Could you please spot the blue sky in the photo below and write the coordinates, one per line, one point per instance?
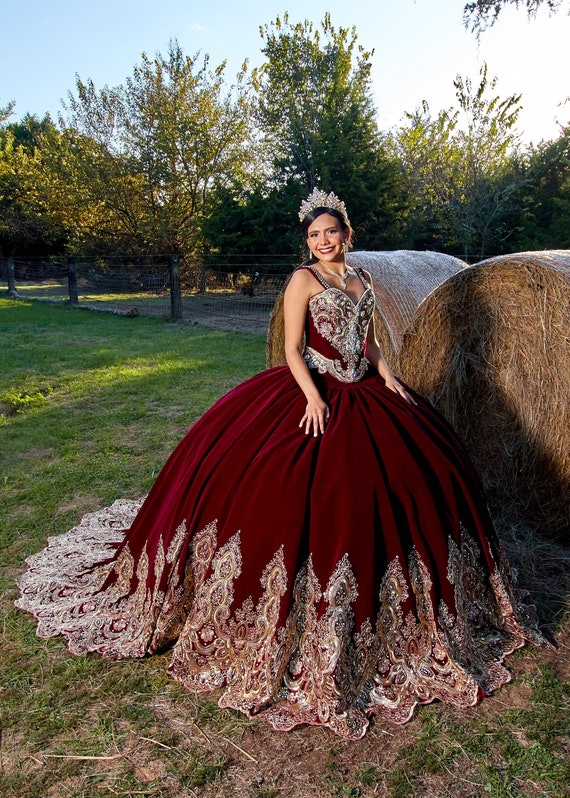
(420, 46)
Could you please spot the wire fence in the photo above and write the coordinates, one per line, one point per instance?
(229, 293)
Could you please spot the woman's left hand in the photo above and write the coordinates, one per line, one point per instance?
(393, 384)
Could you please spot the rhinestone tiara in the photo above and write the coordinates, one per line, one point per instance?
(320, 199)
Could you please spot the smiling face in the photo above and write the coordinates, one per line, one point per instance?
(326, 239)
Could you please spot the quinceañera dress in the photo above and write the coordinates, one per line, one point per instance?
(313, 580)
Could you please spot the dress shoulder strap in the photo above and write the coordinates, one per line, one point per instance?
(364, 277)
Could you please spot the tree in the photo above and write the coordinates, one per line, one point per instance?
(487, 142)
(482, 14)
(431, 164)
(57, 189)
(6, 111)
(461, 174)
(262, 222)
(165, 140)
(316, 111)
(93, 194)
(26, 218)
(544, 221)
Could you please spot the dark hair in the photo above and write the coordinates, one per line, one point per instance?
(314, 214)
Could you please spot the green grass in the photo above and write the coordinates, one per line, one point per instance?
(90, 406)
(522, 752)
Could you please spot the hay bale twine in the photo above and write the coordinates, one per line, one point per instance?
(401, 280)
(491, 348)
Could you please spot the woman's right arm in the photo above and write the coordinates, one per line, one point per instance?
(295, 307)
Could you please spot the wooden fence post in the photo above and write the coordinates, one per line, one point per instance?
(72, 282)
(11, 277)
(175, 293)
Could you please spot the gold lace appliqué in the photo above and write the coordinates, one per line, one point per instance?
(292, 653)
(78, 586)
(315, 667)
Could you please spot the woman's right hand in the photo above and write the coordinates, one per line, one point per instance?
(316, 416)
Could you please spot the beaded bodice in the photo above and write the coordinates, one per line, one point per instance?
(335, 333)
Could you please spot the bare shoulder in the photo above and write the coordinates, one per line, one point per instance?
(301, 282)
(301, 277)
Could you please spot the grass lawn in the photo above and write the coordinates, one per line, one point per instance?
(91, 404)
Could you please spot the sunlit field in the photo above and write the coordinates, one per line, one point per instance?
(225, 307)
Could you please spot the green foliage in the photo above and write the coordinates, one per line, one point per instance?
(26, 220)
(430, 163)
(175, 160)
(260, 222)
(545, 196)
(6, 111)
(482, 14)
(315, 108)
(459, 170)
(308, 85)
(166, 138)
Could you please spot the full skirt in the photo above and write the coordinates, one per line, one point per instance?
(315, 580)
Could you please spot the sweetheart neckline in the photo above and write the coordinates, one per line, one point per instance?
(343, 293)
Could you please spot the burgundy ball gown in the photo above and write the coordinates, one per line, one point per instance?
(313, 580)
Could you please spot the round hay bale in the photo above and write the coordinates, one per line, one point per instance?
(275, 343)
(491, 348)
(401, 280)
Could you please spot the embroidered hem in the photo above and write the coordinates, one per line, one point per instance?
(315, 667)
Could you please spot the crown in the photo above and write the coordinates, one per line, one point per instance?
(320, 199)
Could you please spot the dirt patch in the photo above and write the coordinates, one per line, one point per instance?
(80, 504)
(311, 762)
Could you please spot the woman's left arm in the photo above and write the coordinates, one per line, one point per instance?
(375, 357)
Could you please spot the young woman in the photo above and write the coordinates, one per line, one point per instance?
(317, 547)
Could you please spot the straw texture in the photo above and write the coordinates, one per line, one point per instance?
(491, 348)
